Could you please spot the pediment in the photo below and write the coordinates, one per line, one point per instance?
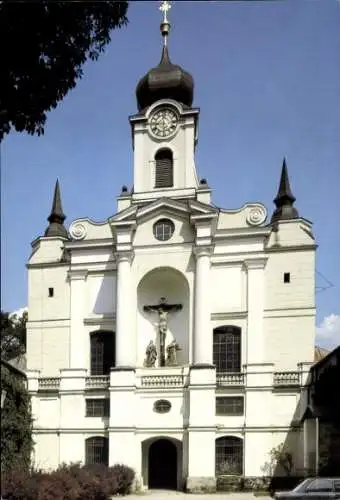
(175, 207)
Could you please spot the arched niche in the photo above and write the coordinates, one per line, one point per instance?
(171, 284)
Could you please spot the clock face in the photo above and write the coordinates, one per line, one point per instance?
(163, 123)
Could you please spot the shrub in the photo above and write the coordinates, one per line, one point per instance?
(124, 476)
(19, 484)
(68, 482)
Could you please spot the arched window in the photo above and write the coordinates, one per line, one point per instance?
(164, 168)
(227, 349)
(102, 352)
(97, 450)
(229, 455)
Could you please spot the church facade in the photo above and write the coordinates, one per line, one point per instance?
(174, 337)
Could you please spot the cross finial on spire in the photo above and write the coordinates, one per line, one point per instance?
(165, 7)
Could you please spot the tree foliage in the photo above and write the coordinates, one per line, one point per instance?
(13, 335)
(46, 44)
(16, 422)
(279, 458)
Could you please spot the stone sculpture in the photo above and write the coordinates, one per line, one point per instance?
(151, 355)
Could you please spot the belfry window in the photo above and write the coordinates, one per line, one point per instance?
(164, 169)
(102, 352)
(227, 349)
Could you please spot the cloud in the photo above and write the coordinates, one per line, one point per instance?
(328, 333)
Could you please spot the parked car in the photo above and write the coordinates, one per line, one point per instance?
(313, 489)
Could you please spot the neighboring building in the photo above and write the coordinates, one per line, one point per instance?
(321, 419)
(239, 301)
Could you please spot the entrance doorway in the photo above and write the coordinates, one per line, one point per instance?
(162, 465)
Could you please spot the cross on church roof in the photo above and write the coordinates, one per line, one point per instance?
(165, 7)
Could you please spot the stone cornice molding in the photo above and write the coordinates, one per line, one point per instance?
(124, 256)
(255, 263)
(77, 274)
(203, 251)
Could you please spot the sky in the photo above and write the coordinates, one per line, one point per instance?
(267, 81)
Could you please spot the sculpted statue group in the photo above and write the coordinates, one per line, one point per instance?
(163, 310)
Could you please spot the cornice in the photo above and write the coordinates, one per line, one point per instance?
(203, 251)
(124, 256)
(77, 274)
(256, 263)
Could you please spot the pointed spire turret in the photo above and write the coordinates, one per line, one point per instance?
(285, 199)
(57, 217)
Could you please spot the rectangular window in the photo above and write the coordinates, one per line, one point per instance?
(230, 405)
(51, 292)
(98, 407)
(286, 277)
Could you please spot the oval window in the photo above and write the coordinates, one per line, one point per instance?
(162, 406)
(163, 229)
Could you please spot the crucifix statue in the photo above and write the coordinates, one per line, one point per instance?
(163, 309)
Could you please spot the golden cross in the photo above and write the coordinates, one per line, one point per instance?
(165, 7)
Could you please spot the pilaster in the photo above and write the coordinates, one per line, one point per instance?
(255, 288)
(71, 394)
(125, 334)
(203, 340)
(77, 347)
(202, 429)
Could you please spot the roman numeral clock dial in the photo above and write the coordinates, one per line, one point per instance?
(163, 123)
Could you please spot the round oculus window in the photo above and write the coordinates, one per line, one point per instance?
(163, 229)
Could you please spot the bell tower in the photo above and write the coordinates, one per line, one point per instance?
(164, 131)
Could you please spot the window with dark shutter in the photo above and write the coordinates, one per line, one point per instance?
(164, 169)
(102, 352)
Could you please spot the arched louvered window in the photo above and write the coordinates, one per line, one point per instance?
(97, 450)
(227, 349)
(164, 168)
(229, 455)
(102, 352)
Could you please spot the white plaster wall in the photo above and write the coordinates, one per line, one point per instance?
(48, 347)
(289, 340)
(47, 250)
(94, 255)
(300, 292)
(259, 408)
(46, 450)
(147, 417)
(168, 283)
(42, 307)
(48, 416)
(72, 446)
(227, 285)
(284, 408)
(237, 246)
(100, 294)
(257, 445)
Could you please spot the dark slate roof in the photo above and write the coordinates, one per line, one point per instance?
(57, 217)
(165, 81)
(285, 199)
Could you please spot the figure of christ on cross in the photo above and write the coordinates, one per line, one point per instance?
(163, 309)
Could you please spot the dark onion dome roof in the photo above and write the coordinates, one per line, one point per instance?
(165, 81)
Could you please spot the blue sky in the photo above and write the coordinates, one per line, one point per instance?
(267, 80)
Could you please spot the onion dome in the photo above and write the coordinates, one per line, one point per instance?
(165, 81)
